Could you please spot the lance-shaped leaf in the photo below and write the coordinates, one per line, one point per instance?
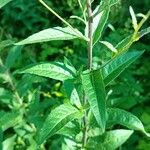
(94, 89)
(51, 34)
(133, 16)
(100, 14)
(57, 71)
(113, 139)
(109, 46)
(4, 2)
(122, 117)
(117, 65)
(56, 120)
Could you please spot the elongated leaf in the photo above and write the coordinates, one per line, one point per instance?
(101, 14)
(109, 46)
(72, 93)
(119, 116)
(99, 22)
(95, 92)
(112, 69)
(56, 120)
(4, 2)
(113, 139)
(13, 54)
(9, 120)
(143, 32)
(57, 71)
(51, 34)
(133, 16)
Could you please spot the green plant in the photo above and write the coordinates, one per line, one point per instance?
(85, 120)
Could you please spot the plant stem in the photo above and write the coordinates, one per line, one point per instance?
(64, 21)
(90, 45)
(10, 81)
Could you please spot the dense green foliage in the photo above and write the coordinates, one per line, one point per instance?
(43, 82)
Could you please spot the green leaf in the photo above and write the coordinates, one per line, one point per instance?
(109, 46)
(113, 2)
(122, 117)
(95, 92)
(5, 43)
(143, 32)
(57, 71)
(72, 92)
(13, 55)
(117, 65)
(134, 20)
(4, 2)
(99, 21)
(10, 120)
(51, 34)
(113, 139)
(56, 120)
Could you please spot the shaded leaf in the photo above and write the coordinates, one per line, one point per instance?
(122, 117)
(13, 54)
(117, 65)
(5, 43)
(57, 33)
(95, 92)
(57, 71)
(56, 120)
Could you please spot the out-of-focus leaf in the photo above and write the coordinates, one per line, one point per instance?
(94, 89)
(1, 139)
(57, 33)
(5, 43)
(10, 120)
(113, 139)
(57, 71)
(13, 55)
(119, 116)
(4, 2)
(9, 143)
(117, 65)
(56, 120)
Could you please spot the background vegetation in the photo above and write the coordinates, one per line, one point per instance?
(21, 18)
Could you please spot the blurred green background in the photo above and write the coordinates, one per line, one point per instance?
(131, 91)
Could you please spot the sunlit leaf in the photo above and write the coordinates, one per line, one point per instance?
(94, 89)
(57, 71)
(109, 46)
(57, 33)
(122, 117)
(113, 139)
(56, 120)
(4, 2)
(134, 20)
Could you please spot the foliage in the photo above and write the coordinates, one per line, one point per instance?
(41, 113)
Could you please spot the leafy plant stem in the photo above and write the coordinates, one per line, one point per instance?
(90, 45)
(58, 16)
(9, 79)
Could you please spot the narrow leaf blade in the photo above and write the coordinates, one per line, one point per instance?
(4, 2)
(95, 91)
(51, 34)
(113, 68)
(56, 120)
(57, 71)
